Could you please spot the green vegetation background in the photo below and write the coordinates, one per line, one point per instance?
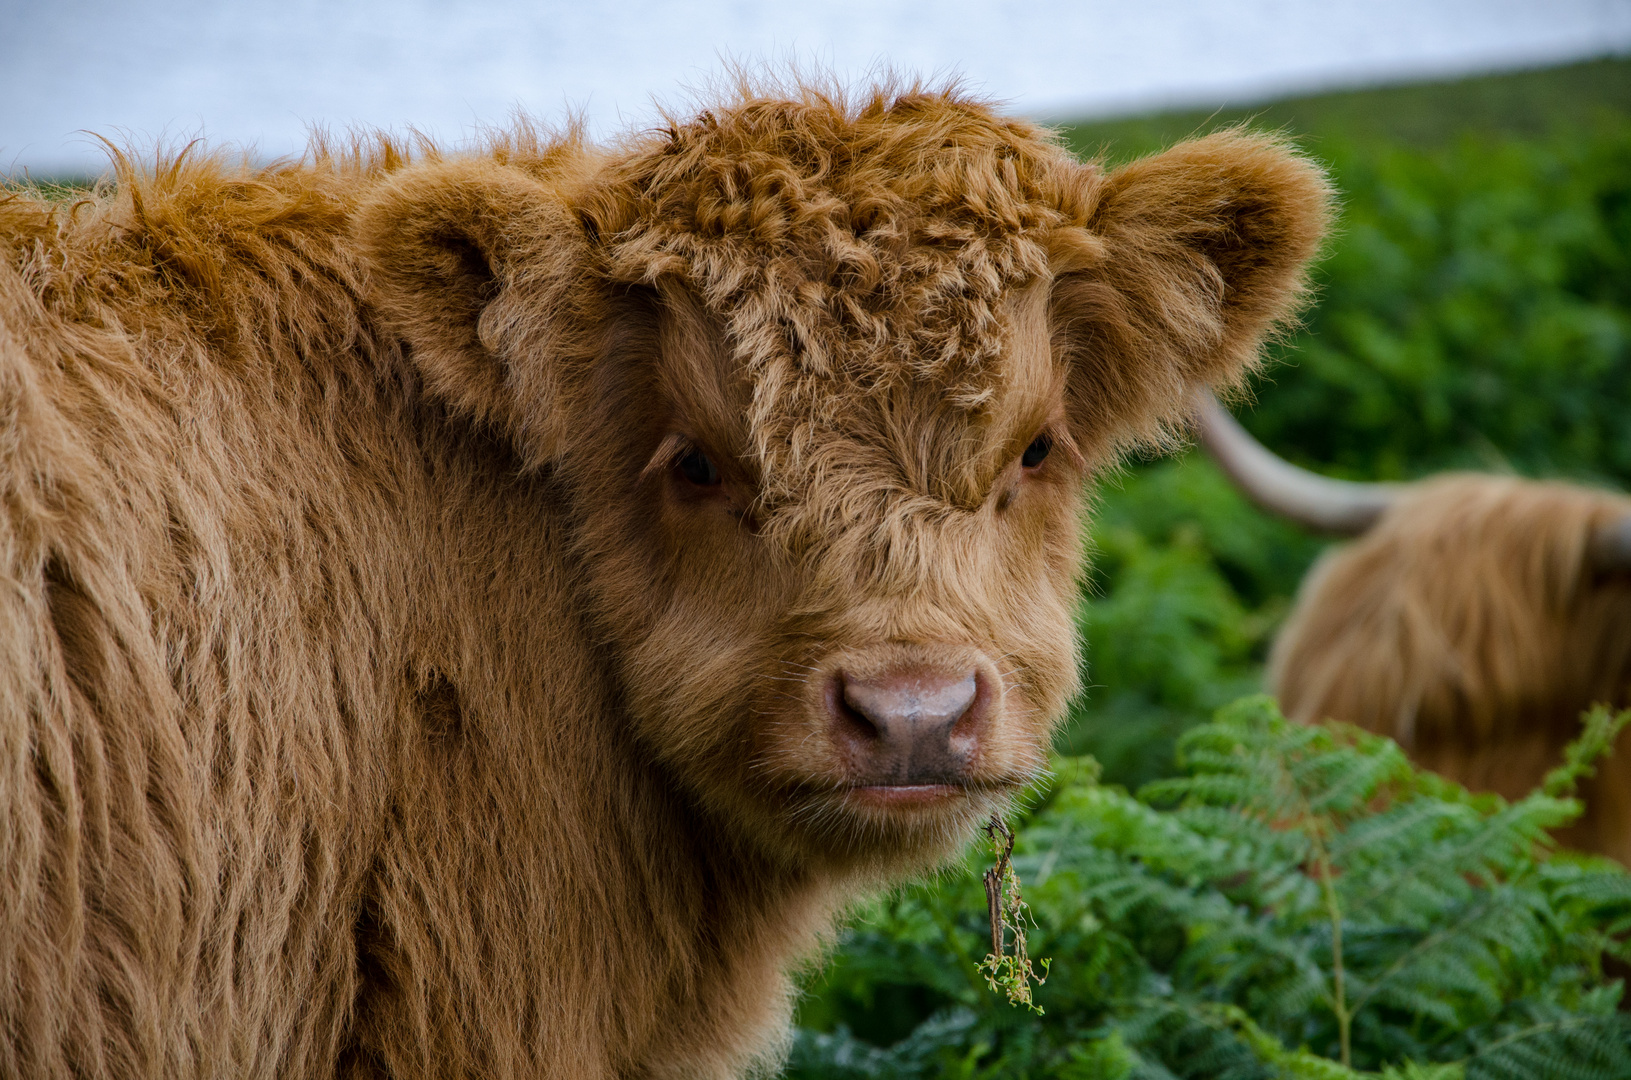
(1473, 311)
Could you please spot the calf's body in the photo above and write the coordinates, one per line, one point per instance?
(488, 615)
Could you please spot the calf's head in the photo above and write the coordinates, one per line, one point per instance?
(825, 384)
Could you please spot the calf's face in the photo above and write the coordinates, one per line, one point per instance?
(866, 656)
(825, 390)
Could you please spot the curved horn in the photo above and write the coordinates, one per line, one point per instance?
(1611, 545)
(1316, 502)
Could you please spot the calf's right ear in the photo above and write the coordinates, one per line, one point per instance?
(481, 270)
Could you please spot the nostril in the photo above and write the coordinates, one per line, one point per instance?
(853, 721)
(857, 706)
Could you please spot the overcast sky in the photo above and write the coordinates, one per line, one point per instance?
(259, 74)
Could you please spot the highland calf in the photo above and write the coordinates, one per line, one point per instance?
(487, 615)
(1473, 621)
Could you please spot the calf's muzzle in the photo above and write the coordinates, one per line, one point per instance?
(908, 726)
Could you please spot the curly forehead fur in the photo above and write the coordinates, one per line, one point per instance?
(865, 243)
(869, 241)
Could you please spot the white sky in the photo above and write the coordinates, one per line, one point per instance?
(258, 74)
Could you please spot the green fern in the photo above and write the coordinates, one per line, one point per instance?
(1301, 902)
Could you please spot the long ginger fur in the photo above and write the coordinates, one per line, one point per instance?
(375, 699)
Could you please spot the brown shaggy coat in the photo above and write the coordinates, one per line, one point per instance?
(382, 692)
(1468, 625)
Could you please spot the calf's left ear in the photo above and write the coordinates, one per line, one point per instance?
(1191, 258)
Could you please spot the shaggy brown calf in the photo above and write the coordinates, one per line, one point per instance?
(486, 616)
(1473, 622)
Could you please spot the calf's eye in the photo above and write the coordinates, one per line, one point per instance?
(699, 469)
(1036, 452)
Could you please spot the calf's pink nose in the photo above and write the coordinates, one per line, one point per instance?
(908, 727)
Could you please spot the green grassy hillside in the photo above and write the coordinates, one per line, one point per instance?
(1421, 116)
